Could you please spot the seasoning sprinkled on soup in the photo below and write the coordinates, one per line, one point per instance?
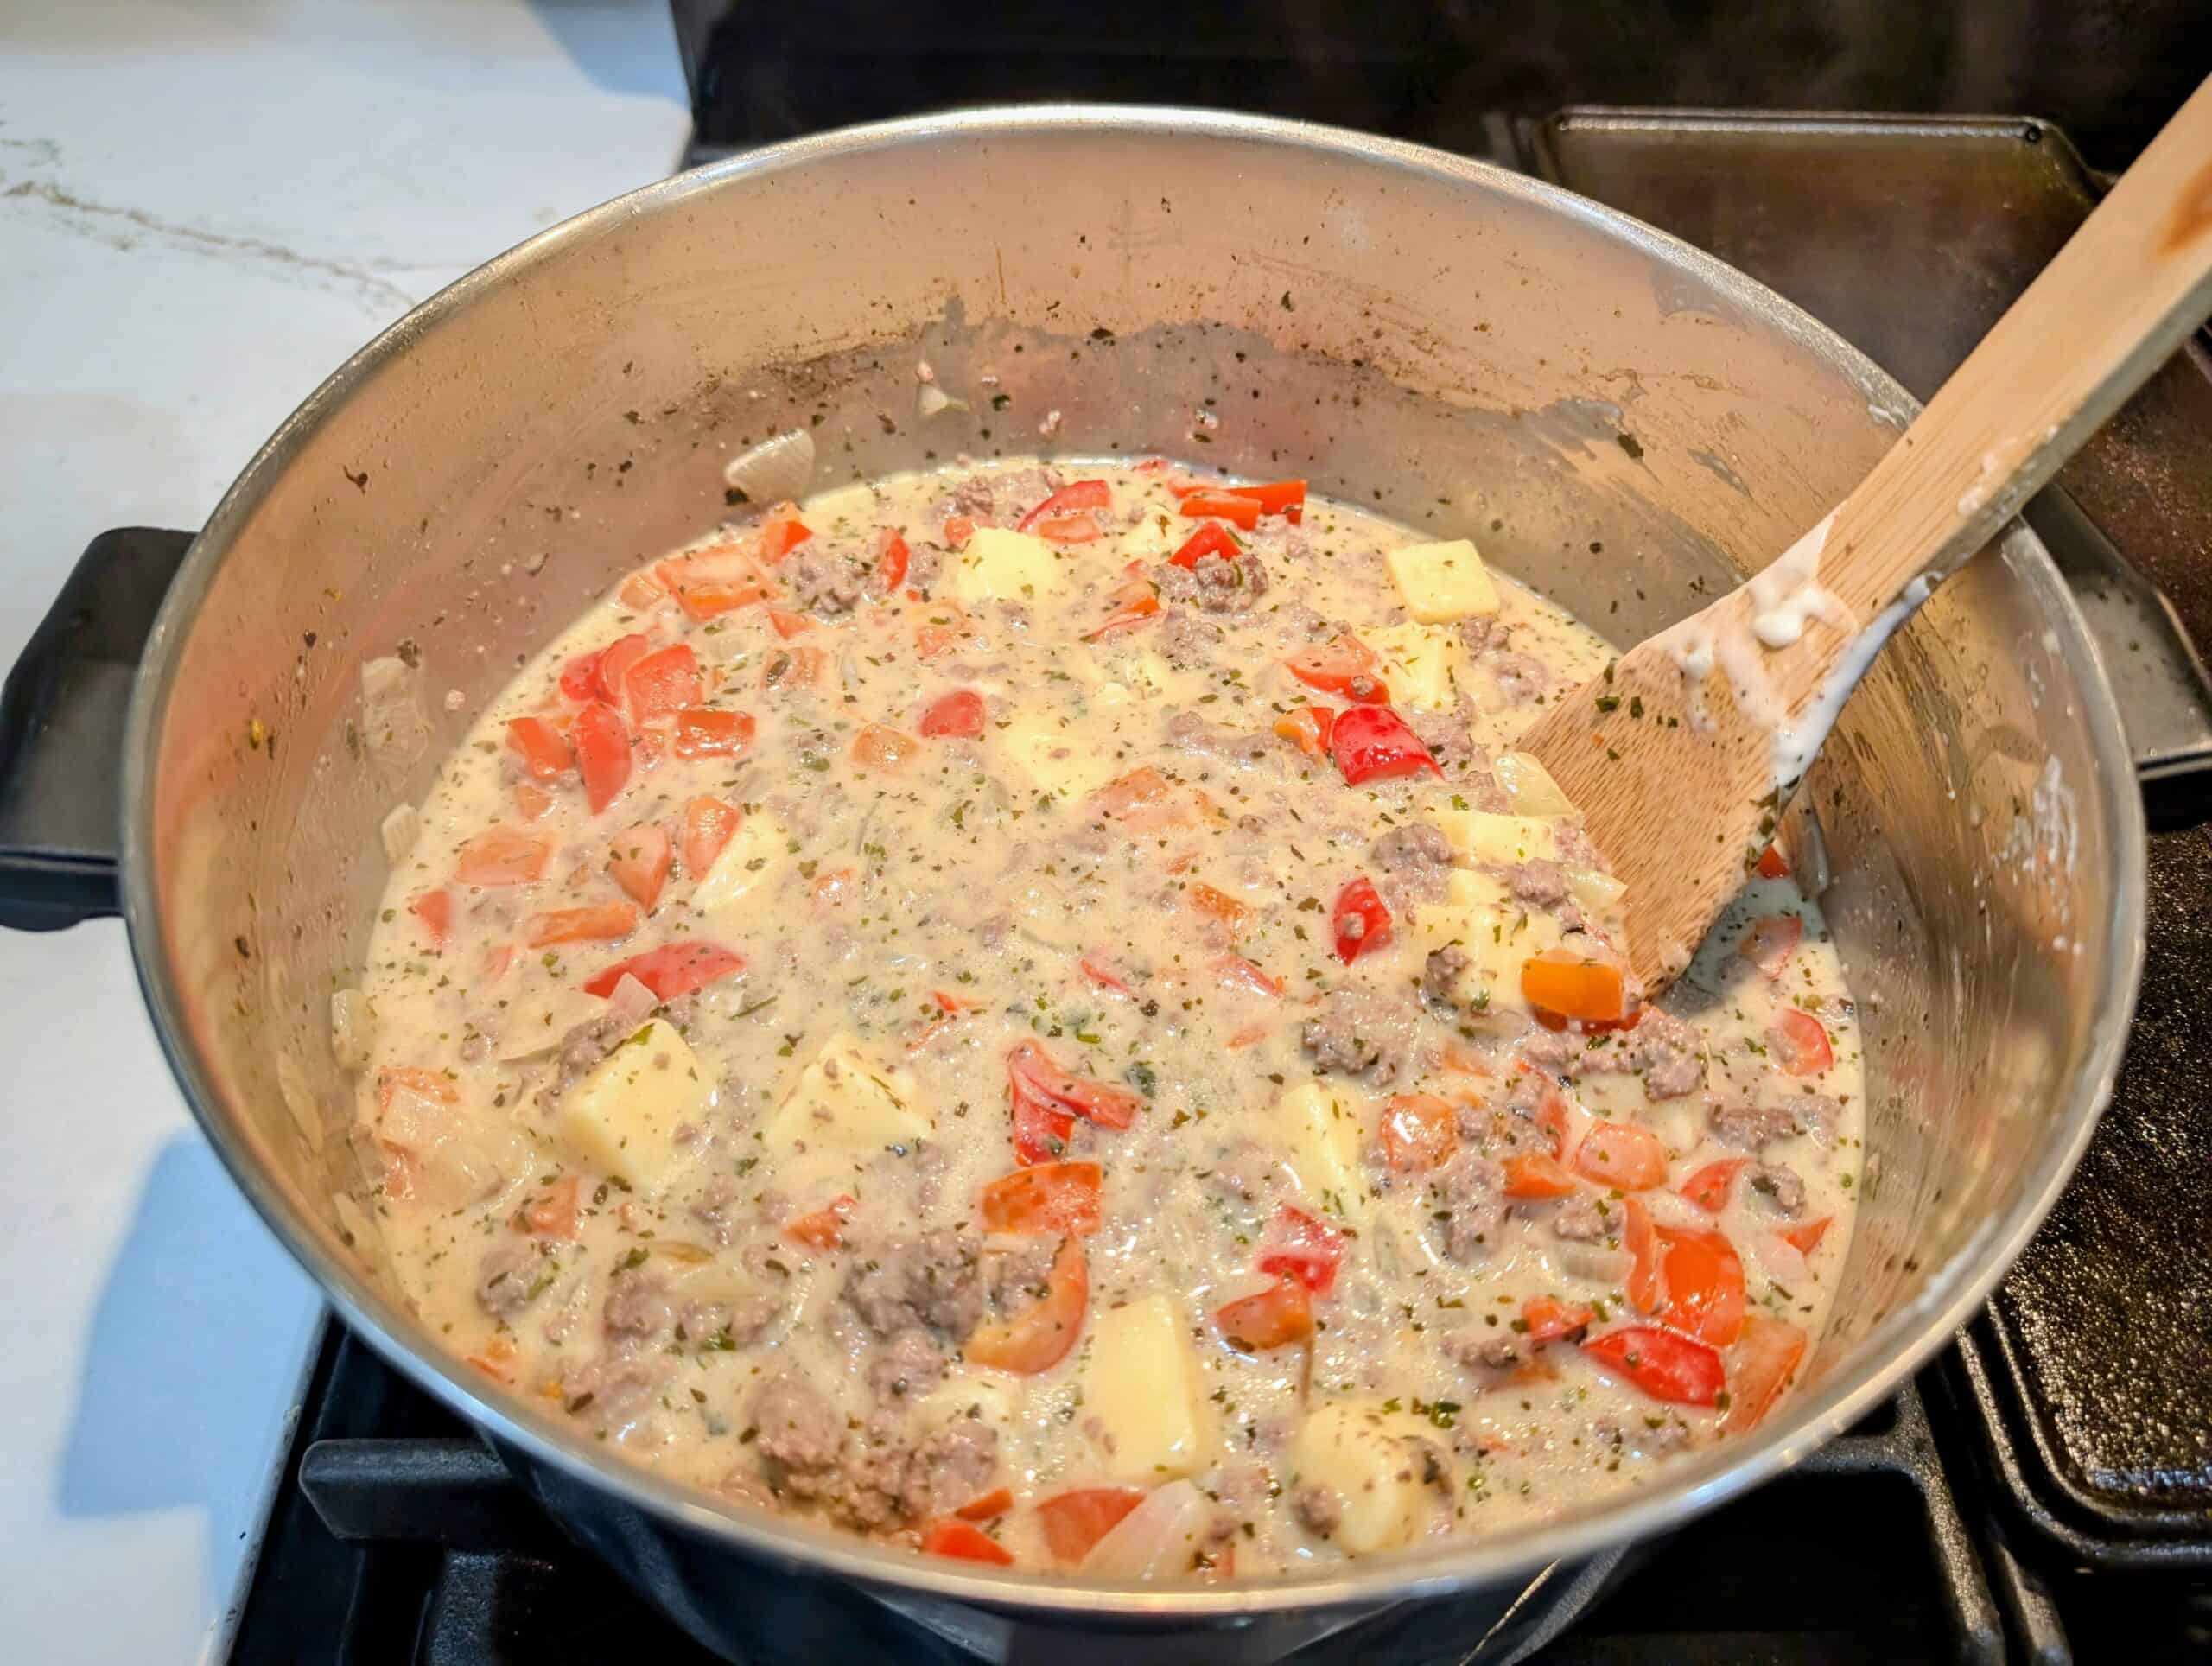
(1035, 1013)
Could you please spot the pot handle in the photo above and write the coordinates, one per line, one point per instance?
(62, 714)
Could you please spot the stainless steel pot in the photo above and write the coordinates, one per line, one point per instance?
(1616, 418)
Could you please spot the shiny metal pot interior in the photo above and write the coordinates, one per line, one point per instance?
(1615, 417)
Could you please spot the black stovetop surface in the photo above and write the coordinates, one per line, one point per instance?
(2044, 1493)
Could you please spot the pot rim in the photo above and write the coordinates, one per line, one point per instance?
(1888, 1354)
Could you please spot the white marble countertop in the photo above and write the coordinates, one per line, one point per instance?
(205, 205)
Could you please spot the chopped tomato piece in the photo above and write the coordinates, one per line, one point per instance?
(957, 715)
(1705, 1284)
(796, 668)
(822, 1228)
(1762, 1363)
(1039, 1336)
(701, 731)
(1070, 498)
(1346, 666)
(435, 910)
(1068, 528)
(639, 863)
(603, 754)
(1773, 865)
(1031, 1066)
(1055, 1197)
(958, 529)
(880, 746)
(1419, 1131)
(708, 825)
(1359, 922)
(1372, 743)
(1237, 972)
(1667, 1367)
(892, 559)
(1284, 497)
(396, 1079)
(1803, 1044)
(1622, 1155)
(599, 922)
(544, 751)
(964, 1542)
(1135, 600)
(1211, 539)
(1307, 728)
(1301, 1246)
(1573, 986)
(531, 802)
(1647, 1282)
(662, 682)
(783, 534)
(1769, 941)
(672, 969)
(610, 677)
(995, 1503)
(788, 624)
(1805, 1236)
(580, 677)
(1074, 1522)
(1041, 1129)
(1282, 1313)
(1216, 904)
(1532, 1174)
(1241, 512)
(502, 856)
(550, 1213)
(1708, 1187)
(709, 598)
(1548, 1318)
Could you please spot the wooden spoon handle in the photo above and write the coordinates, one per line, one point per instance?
(2115, 303)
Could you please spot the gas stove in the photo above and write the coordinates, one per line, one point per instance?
(2044, 1491)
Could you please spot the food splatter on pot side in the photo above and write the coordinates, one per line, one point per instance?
(1034, 1010)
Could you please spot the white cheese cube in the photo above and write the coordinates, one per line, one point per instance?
(622, 1117)
(1420, 663)
(1321, 1132)
(998, 565)
(846, 1102)
(1385, 1485)
(1440, 582)
(754, 852)
(1144, 1408)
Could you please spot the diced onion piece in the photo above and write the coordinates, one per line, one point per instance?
(352, 1029)
(1529, 786)
(1594, 1262)
(399, 832)
(773, 471)
(631, 998)
(1157, 1540)
(395, 733)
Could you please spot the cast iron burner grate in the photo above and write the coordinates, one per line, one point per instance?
(396, 1536)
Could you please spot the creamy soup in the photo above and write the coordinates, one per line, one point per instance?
(1034, 1012)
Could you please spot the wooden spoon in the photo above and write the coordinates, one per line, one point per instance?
(1683, 754)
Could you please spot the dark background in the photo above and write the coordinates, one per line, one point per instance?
(2109, 72)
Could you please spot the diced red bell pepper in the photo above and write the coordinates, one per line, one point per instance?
(1029, 1065)
(1308, 730)
(1241, 512)
(1074, 1521)
(1772, 864)
(822, 1228)
(544, 751)
(787, 624)
(672, 969)
(1301, 1246)
(1762, 1363)
(892, 558)
(964, 1542)
(1669, 1368)
(1769, 941)
(1622, 1155)
(1705, 1285)
(703, 731)
(1548, 1318)
(664, 681)
(1099, 970)
(1805, 1236)
(1534, 1174)
(603, 754)
(987, 1506)
(1647, 1283)
(502, 856)
(1136, 601)
(708, 825)
(1209, 540)
(1236, 972)
(782, 535)
(1077, 496)
(598, 922)
(1054, 1197)
(1039, 1336)
(435, 910)
(580, 677)
(610, 675)
(1360, 922)
(1708, 1187)
(1284, 497)
(638, 860)
(1372, 743)
(1345, 666)
(957, 715)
